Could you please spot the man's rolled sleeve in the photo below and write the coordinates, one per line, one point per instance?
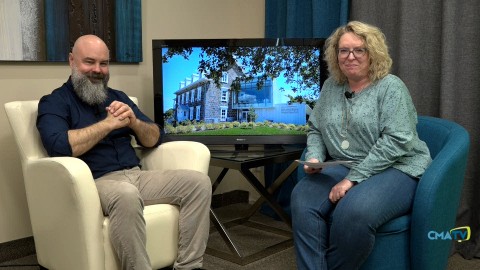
(53, 128)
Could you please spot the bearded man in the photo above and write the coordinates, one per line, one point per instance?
(85, 118)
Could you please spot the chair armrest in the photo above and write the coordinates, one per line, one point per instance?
(65, 211)
(436, 202)
(177, 155)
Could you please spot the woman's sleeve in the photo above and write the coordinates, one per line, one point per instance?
(315, 144)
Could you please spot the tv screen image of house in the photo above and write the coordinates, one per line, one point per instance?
(248, 90)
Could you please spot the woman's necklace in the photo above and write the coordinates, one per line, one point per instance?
(344, 131)
(345, 144)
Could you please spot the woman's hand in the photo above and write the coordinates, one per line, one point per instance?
(339, 190)
(309, 170)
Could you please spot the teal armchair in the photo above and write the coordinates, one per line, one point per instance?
(404, 242)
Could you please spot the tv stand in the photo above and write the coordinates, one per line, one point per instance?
(241, 147)
(247, 149)
(274, 148)
(243, 162)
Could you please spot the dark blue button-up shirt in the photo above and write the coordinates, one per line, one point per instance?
(62, 110)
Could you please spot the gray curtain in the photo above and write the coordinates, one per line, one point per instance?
(435, 46)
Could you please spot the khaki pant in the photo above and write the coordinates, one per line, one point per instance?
(123, 195)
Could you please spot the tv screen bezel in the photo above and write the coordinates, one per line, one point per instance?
(244, 140)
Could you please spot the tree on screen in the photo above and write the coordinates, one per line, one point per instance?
(300, 65)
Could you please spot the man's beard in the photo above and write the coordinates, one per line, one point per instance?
(89, 92)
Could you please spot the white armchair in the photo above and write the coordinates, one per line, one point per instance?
(68, 225)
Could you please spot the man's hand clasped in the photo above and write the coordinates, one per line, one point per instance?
(120, 115)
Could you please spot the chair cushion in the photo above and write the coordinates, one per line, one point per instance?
(392, 238)
(396, 225)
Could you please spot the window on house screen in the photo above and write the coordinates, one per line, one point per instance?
(224, 77)
(197, 115)
(223, 113)
(224, 94)
(199, 93)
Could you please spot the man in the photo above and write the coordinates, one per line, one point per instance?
(85, 118)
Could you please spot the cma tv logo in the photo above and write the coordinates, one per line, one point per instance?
(458, 234)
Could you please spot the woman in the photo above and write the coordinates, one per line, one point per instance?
(364, 115)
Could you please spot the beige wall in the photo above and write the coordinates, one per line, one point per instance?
(161, 19)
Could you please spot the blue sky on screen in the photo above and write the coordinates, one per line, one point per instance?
(178, 68)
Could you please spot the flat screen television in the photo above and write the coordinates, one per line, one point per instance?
(237, 91)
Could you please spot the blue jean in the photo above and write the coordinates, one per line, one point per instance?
(341, 236)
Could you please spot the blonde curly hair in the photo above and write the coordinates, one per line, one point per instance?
(375, 42)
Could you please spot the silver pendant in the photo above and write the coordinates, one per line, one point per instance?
(345, 144)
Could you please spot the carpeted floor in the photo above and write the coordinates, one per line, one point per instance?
(249, 241)
(19, 255)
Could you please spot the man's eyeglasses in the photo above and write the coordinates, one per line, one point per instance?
(357, 52)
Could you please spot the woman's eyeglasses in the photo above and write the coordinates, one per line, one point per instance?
(357, 52)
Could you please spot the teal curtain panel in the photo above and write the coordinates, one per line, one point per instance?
(56, 30)
(128, 30)
(304, 18)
